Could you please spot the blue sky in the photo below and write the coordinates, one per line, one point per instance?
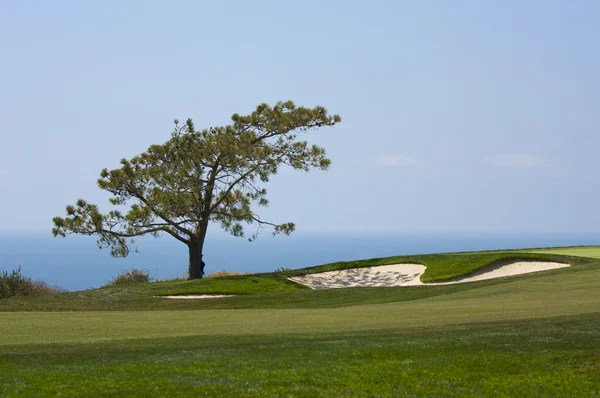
(462, 116)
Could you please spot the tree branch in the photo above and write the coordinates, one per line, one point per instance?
(158, 213)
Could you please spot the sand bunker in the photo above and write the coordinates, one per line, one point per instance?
(410, 274)
(199, 296)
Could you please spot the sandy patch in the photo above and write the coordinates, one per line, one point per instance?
(410, 274)
(199, 296)
(384, 275)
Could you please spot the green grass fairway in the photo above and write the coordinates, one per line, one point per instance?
(539, 358)
(545, 296)
(531, 335)
(584, 251)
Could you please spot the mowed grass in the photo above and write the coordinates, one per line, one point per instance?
(583, 251)
(545, 296)
(532, 335)
(545, 357)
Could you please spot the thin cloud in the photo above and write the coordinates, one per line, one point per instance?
(518, 161)
(397, 160)
(3, 173)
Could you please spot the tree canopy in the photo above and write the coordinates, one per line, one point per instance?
(201, 176)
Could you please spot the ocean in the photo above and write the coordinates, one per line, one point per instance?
(75, 263)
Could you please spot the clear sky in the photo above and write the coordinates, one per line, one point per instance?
(458, 116)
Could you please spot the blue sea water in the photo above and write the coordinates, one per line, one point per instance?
(75, 263)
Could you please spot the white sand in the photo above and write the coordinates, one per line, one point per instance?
(199, 296)
(410, 274)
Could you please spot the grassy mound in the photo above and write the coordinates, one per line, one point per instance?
(274, 290)
(235, 284)
(440, 267)
(446, 267)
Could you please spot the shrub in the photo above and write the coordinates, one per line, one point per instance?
(13, 283)
(132, 277)
(37, 288)
(223, 272)
(16, 284)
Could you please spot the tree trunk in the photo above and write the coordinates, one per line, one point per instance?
(196, 268)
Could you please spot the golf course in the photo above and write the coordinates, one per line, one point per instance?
(534, 334)
(300, 199)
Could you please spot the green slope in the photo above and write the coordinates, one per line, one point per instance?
(273, 290)
(580, 251)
